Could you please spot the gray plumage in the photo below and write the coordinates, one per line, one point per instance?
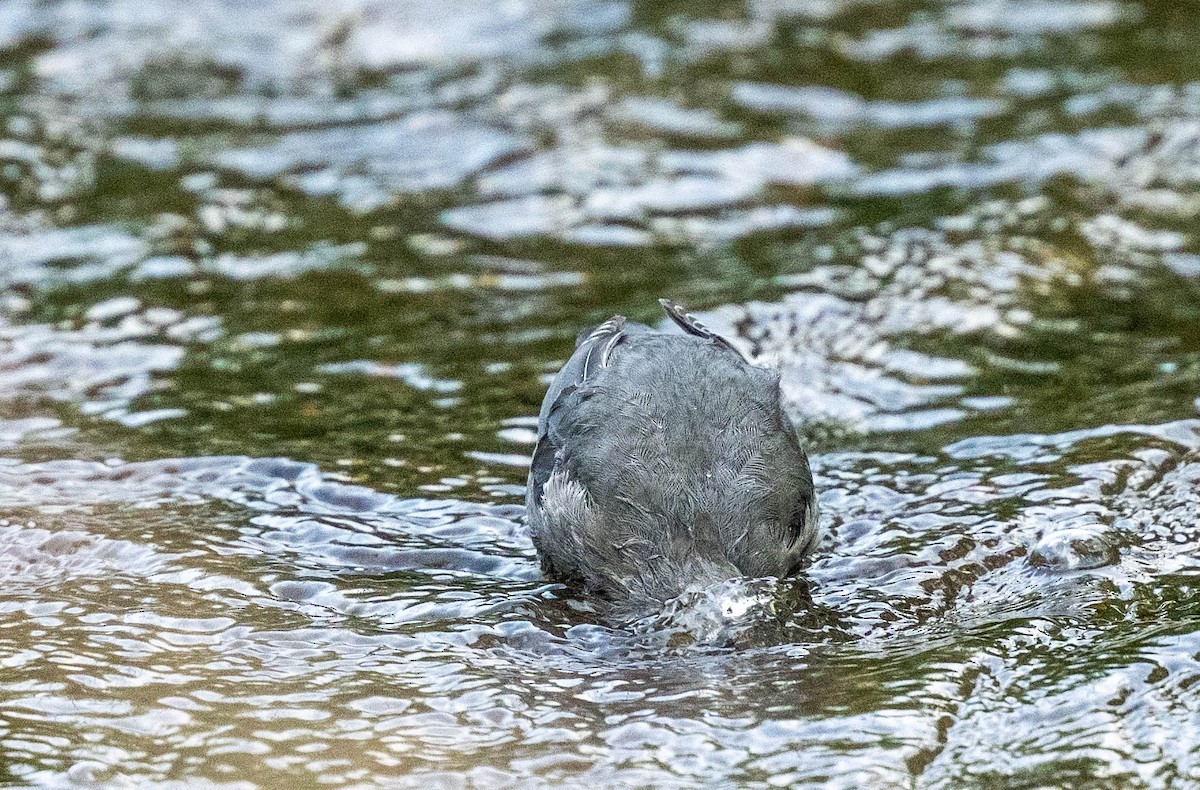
(664, 463)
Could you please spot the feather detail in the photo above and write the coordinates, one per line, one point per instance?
(690, 324)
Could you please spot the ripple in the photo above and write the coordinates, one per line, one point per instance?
(835, 351)
(964, 233)
(412, 155)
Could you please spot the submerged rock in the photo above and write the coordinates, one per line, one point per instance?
(1076, 548)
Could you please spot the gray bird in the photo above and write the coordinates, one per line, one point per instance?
(665, 464)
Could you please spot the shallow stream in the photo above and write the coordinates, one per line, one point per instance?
(282, 284)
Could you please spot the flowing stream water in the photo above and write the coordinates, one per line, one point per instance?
(282, 284)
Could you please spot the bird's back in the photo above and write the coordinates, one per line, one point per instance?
(665, 461)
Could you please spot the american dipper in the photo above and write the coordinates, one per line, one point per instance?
(665, 464)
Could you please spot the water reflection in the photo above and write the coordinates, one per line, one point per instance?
(323, 259)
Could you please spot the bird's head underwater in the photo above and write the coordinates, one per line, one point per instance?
(665, 465)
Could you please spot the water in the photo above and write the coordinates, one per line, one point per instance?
(281, 286)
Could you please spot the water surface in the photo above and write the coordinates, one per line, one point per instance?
(281, 286)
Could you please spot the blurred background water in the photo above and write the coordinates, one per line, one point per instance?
(282, 283)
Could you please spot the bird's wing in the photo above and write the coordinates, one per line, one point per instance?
(689, 323)
(592, 354)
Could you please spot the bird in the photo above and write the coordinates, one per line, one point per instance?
(665, 464)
